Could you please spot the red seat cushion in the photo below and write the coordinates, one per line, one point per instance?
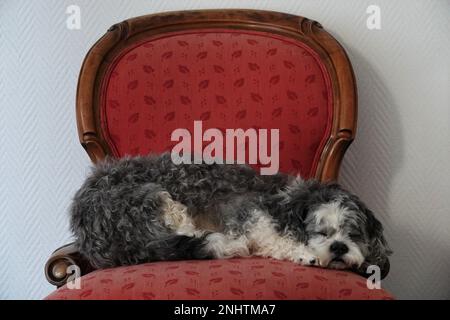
(248, 278)
(226, 78)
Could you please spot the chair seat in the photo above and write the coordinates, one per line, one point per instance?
(246, 278)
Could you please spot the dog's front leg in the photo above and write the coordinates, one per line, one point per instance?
(267, 241)
(224, 247)
(303, 255)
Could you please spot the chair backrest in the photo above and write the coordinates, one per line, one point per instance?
(248, 69)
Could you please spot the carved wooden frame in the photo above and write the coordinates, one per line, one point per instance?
(131, 31)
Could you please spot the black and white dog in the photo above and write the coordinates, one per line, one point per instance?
(142, 209)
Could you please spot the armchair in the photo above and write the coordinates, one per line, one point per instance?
(245, 69)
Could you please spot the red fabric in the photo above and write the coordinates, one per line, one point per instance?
(249, 278)
(227, 79)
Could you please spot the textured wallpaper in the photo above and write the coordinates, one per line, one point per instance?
(398, 163)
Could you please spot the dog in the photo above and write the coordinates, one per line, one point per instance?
(142, 209)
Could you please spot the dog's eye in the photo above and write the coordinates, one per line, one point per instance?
(321, 233)
(354, 235)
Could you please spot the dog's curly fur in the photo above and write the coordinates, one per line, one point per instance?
(141, 209)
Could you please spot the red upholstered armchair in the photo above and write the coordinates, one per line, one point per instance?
(150, 75)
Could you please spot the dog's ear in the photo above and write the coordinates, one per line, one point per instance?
(378, 247)
(291, 206)
(298, 199)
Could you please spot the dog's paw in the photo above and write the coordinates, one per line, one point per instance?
(307, 258)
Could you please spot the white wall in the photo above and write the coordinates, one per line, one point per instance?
(399, 163)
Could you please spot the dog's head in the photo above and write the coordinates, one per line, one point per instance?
(339, 228)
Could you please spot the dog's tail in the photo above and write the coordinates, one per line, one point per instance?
(209, 245)
(180, 247)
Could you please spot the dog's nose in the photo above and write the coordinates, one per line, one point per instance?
(338, 248)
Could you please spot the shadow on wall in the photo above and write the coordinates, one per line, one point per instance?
(420, 263)
(424, 274)
(376, 155)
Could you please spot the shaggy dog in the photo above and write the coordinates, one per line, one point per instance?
(142, 209)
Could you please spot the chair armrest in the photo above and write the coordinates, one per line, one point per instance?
(60, 260)
(384, 270)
